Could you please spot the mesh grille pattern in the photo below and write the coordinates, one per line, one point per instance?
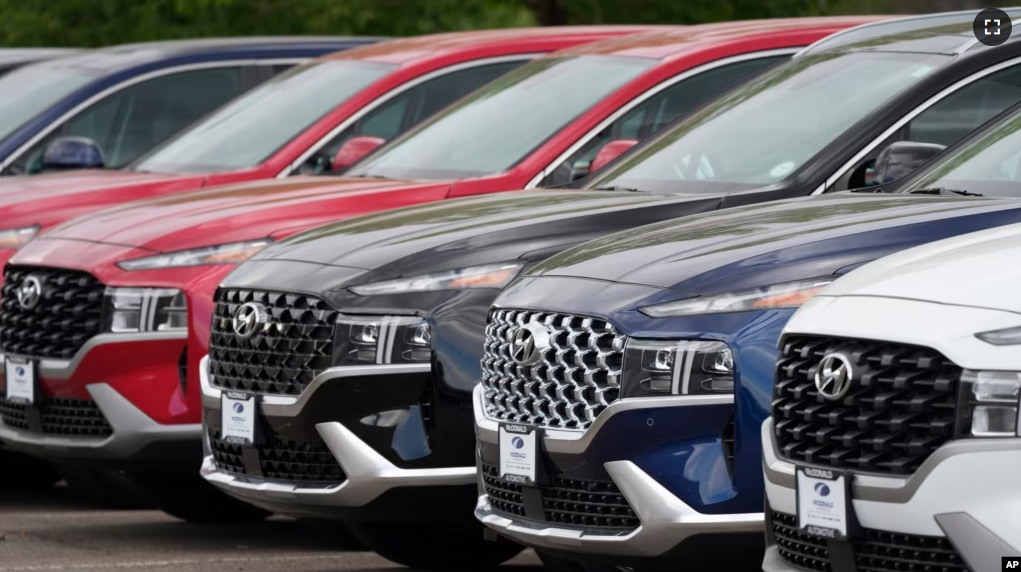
(588, 504)
(293, 461)
(295, 346)
(503, 496)
(876, 551)
(68, 312)
(66, 417)
(899, 409)
(576, 379)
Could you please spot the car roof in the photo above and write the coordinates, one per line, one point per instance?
(945, 33)
(679, 40)
(409, 50)
(18, 56)
(121, 57)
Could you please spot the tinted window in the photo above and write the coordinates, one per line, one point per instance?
(409, 108)
(766, 130)
(252, 127)
(134, 120)
(501, 123)
(658, 111)
(28, 91)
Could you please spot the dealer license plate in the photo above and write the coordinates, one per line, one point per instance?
(823, 505)
(518, 453)
(20, 380)
(238, 417)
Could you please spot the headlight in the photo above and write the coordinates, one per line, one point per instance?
(363, 340)
(688, 367)
(487, 276)
(146, 310)
(1007, 337)
(17, 237)
(987, 405)
(233, 253)
(789, 295)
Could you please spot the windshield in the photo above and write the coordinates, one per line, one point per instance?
(765, 131)
(989, 165)
(28, 91)
(500, 124)
(251, 128)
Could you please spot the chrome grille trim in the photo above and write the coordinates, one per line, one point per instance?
(575, 380)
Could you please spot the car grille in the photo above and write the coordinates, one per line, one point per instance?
(66, 417)
(570, 502)
(899, 409)
(68, 314)
(296, 346)
(875, 551)
(292, 461)
(577, 378)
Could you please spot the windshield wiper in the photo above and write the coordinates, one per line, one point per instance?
(619, 188)
(944, 191)
(366, 176)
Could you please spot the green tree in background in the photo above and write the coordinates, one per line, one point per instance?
(105, 22)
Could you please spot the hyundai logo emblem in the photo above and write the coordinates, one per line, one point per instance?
(529, 343)
(833, 376)
(518, 442)
(248, 318)
(30, 292)
(822, 490)
(239, 408)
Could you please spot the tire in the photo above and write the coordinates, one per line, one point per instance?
(435, 547)
(106, 488)
(24, 472)
(190, 498)
(332, 534)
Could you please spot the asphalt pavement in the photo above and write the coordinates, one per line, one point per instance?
(56, 531)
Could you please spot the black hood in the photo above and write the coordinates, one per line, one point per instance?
(465, 232)
(774, 242)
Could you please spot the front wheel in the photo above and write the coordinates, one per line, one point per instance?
(433, 547)
(190, 498)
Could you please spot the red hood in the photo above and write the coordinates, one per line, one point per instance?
(244, 211)
(53, 198)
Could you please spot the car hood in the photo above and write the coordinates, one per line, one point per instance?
(769, 243)
(479, 230)
(237, 212)
(19, 193)
(971, 270)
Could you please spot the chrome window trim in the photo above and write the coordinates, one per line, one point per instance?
(53, 125)
(379, 101)
(648, 94)
(957, 86)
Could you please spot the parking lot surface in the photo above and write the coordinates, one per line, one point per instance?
(56, 531)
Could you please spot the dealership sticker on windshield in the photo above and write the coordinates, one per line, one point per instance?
(518, 455)
(237, 421)
(20, 378)
(822, 502)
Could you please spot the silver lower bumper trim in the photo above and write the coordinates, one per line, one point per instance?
(666, 521)
(133, 430)
(368, 473)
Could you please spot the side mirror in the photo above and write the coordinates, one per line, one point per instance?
(353, 150)
(609, 152)
(66, 153)
(901, 158)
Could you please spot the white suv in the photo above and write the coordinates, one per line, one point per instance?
(894, 443)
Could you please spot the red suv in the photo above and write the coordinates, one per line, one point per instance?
(111, 313)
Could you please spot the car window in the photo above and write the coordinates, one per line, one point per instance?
(501, 123)
(946, 121)
(134, 120)
(658, 111)
(408, 109)
(248, 130)
(767, 130)
(28, 91)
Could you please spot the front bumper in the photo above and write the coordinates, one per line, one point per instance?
(965, 493)
(366, 474)
(667, 522)
(133, 398)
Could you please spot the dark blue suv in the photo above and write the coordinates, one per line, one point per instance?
(130, 98)
(670, 332)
